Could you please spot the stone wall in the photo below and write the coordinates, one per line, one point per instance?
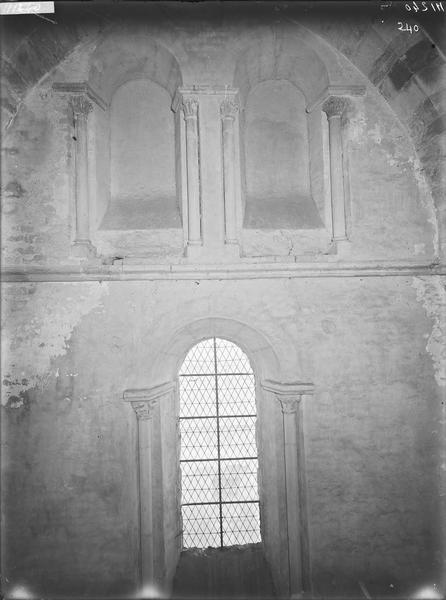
(363, 321)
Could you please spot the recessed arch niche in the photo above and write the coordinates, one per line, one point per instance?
(283, 154)
(276, 159)
(142, 159)
(134, 169)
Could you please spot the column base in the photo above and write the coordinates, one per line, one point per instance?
(343, 247)
(83, 249)
(232, 249)
(194, 250)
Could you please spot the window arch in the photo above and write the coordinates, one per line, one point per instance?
(218, 457)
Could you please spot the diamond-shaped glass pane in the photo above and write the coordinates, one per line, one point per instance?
(241, 524)
(231, 359)
(201, 526)
(236, 395)
(198, 439)
(197, 396)
(218, 446)
(239, 480)
(199, 481)
(237, 437)
(199, 359)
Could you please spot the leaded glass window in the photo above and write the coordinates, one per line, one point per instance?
(220, 498)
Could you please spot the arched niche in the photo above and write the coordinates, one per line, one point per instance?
(276, 158)
(280, 432)
(282, 147)
(134, 165)
(287, 56)
(142, 159)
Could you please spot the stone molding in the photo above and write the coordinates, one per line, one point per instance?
(80, 88)
(337, 90)
(94, 270)
(201, 90)
(144, 401)
(288, 394)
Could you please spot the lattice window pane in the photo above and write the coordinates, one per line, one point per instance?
(231, 359)
(239, 480)
(241, 524)
(201, 526)
(199, 359)
(218, 447)
(197, 396)
(198, 439)
(236, 395)
(237, 437)
(199, 481)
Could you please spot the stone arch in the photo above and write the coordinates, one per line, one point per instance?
(286, 53)
(293, 56)
(279, 398)
(129, 55)
(271, 58)
(267, 360)
(124, 55)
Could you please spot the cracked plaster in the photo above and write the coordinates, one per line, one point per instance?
(431, 292)
(37, 321)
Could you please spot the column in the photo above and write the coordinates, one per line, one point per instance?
(144, 403)
(289, 396)
(228, 112)
(190, 112)
(81, 107)
(144, 412)
(289, 405)
(334, 106)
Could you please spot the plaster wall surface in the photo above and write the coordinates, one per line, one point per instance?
(372, 346)
(392, 212)
(142, 158)
(69, 440)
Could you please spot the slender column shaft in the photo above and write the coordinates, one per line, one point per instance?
(144, 402)
(190, 109)
(146, 506)
(334, 108)
(81, 108)
(289, 409)
(228, 111)
(144, 411)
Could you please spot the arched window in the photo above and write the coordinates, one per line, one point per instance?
(220, 498)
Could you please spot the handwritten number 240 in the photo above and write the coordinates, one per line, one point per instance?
(406, 27)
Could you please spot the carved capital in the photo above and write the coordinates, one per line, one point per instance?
(288, 394)
(190, 108)
(144, 401)
(289, 404)
(80, 105)
(229, 108)
(144, 410)
(334, 106)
